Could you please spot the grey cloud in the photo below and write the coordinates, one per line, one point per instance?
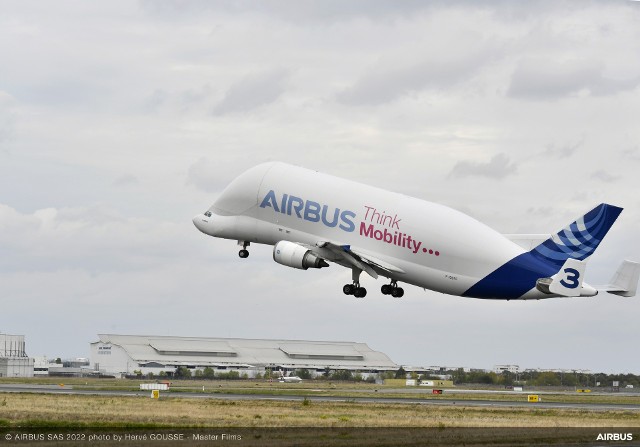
(390, 80)
(93, 239)
(203, 175)
(7, 119)
(126, 180)
(155, 100)
(252, 92)
(632, 154)
(498, 167)
(71, 91)
(541, 211)
(194, 96)
(604, 176)
(565, 151)
(544, 78)
(295, 11)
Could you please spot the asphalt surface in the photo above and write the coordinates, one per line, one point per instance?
(451, 401)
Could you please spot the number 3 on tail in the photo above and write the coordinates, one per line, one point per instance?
(571, 279)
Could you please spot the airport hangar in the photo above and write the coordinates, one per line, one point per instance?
(121, 355)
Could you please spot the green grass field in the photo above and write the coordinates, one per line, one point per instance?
(70, 411)
(31, 409)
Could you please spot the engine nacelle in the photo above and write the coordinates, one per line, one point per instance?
(296, 256)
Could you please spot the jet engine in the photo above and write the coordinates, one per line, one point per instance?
(296, 256)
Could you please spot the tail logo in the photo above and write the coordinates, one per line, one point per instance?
(573, 277)
(581, 238)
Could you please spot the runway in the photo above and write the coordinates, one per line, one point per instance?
(452, 402)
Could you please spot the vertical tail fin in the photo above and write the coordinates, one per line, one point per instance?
(579, 239)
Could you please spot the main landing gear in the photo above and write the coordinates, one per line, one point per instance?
(244, 253)
(355, 289)
(392, 289)
(360, 292)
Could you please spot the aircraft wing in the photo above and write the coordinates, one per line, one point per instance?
(358, 260)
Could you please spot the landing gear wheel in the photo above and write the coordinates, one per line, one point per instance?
(397, 292)
(386, 289)
(360, 292)
(243, 253)
(348, 289)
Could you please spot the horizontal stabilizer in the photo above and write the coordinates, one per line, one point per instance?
(625, 281)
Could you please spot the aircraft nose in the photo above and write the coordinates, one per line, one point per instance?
(200, 221)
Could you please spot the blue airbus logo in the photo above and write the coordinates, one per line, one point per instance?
(310, 211)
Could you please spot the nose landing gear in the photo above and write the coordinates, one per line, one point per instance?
(244, 253)
(392, 289)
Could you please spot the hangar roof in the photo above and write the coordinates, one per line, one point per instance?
(203, 351)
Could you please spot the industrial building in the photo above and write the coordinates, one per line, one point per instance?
(120, 355)
(513, 369)
(14, 361)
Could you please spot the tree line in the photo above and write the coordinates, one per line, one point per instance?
(459, 377)
(543, 378)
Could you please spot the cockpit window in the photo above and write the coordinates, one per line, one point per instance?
(208, 214)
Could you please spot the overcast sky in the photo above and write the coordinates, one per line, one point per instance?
(121, 120)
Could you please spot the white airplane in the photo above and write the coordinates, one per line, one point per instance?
(314, 219)
(289, 379)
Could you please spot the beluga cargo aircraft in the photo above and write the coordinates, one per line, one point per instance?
(314, 219)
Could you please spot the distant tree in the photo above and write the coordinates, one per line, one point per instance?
(183, 372)
(568, 379)
(547, 378)
(401, 373)
(481, 377)
(163, 374)
(231, 375)
(342, 374)
(150, 375)
(506, 378)
(58, 361)
(303, 373)
(208, 373)
(199, 374)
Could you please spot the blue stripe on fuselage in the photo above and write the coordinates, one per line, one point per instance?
(513, 279)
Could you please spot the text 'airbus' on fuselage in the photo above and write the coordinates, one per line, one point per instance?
(313, 219)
